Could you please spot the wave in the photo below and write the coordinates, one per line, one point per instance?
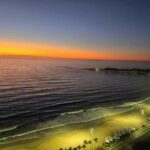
(68, 118)
(7, 129)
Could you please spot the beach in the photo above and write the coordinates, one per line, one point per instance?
(54, 104)
(74, 75)
(75, 134)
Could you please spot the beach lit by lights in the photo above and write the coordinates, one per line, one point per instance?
(76, 135)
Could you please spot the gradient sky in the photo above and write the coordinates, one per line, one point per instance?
(93, 29)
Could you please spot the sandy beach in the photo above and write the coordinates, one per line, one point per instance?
(75, 134)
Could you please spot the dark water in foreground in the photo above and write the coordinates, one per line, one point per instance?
(33, 90)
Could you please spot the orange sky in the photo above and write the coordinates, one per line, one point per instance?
(43, 50)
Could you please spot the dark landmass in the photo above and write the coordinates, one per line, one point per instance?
(134, 71)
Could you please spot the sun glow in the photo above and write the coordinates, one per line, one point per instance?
(56, 51)
(20, 48)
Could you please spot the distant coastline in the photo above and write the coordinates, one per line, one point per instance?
(134, 71)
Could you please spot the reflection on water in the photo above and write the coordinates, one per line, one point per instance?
(34, 90)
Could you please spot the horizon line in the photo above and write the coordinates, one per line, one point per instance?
(92, 59)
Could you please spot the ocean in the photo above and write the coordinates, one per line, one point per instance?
(35, 90)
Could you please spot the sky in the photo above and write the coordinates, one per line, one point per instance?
(86, 29)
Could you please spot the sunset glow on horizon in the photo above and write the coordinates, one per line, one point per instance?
(110, 30)
(14, 48)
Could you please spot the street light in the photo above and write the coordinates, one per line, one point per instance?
(92, 135)
(143, 113)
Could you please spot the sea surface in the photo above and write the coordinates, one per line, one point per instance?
(34, 90)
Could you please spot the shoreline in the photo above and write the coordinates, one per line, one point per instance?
(49, 134)
(77, 117)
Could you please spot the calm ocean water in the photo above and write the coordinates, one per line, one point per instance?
(33, 90)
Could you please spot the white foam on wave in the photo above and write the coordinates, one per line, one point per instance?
(69, 118)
